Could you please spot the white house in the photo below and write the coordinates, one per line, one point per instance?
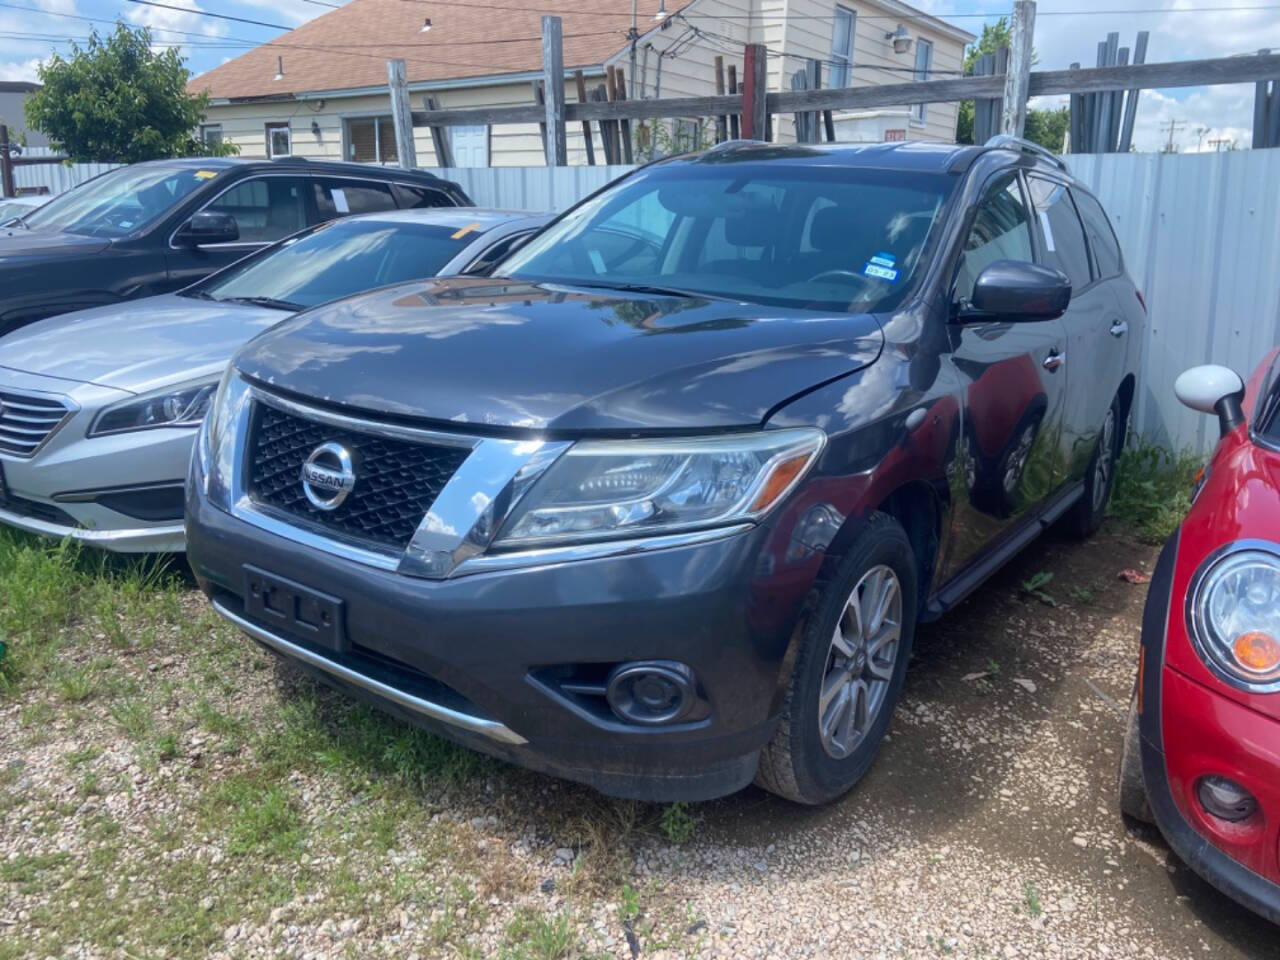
(320, 90)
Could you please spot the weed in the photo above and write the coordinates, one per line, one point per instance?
(1035, 587)
(1031, 900)
(629, 909)
(1153, 490)
(678, 823)
(534, 935)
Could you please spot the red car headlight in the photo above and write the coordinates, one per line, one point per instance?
(1234, 614)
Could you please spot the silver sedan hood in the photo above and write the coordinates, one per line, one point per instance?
(136, 345)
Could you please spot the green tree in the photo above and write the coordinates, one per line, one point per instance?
(118, 101)
(1045, 127)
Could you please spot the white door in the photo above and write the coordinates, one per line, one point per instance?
(470, 146)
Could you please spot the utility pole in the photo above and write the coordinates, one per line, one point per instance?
(1222, 143)
(634, 37)
(1200, 132)
(1174, 125)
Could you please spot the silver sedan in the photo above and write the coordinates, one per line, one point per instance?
(98, 408)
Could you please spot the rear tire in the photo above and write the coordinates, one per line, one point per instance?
(849, 671)
(1131, 789)
(1084, 519)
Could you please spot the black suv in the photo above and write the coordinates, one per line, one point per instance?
(156, 227)
(659, 507)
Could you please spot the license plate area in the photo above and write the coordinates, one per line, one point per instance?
(295, 610)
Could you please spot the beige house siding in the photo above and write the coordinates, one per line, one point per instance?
(801, 28)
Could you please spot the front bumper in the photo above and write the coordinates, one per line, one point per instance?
(1241, 861)
(467, 657)
(73, 483)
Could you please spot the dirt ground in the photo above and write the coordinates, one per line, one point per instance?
(183, 798)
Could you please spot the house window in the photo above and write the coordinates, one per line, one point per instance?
(924, 63)
(279, 140)
(842, 46)
(211, 135)
(371, 140)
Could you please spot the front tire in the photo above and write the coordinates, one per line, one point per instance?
(1131, 789)
(849, 672)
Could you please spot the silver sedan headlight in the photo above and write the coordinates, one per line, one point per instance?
(1235, 615)
(179, 406)
(609, 489)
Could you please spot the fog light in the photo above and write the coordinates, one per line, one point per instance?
(1226, 799)
(651, 691)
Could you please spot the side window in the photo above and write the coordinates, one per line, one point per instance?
(266, 209)
(1102, 239)
(1001, 231)
(1064, 246)
(337, 198)
(415, 197)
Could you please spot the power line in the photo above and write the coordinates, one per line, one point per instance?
(209, 13)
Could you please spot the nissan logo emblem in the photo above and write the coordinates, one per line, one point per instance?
(328, 476)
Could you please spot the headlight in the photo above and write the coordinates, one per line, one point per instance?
(216, 446)
(183, 406)
(1235, 615)
(636, 488)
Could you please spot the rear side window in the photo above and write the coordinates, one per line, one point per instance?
(415, 197)
(1001, 231)
(483, 265)
(1064, 246)
(1102, 239)
(266, 209)
(338, 198)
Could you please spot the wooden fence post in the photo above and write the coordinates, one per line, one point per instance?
(722, 122)
(439, 138)
(755, 109)
(580, 82)
(1013, 119)
(627, 154)
(401, 115)
(733, 91)
(7, 189)
(553, 84)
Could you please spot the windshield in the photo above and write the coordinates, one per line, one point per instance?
(1267, 406)
(799, 236)
(120, 202)
(337, 259)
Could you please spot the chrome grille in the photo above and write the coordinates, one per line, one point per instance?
(27, 420)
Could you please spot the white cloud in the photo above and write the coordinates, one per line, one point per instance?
(25, 70)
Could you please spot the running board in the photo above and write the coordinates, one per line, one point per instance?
(967, 581)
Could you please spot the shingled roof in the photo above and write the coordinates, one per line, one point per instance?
(349, 48)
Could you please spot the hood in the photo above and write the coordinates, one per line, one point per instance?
(135, 345)
(515, 354)
(20, 242)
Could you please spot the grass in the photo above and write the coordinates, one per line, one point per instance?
(1152, 490)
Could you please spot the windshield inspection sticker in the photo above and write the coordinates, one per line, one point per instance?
(206, 174)
(469, 228)
(883, 260)
(874, 269)
(340, 200)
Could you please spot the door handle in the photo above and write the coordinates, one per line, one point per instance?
(1054, 360)
(1119, 328)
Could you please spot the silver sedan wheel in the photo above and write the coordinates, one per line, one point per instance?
(860, 662)
(1106, 459)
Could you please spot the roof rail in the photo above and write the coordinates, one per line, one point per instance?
(1005, 141)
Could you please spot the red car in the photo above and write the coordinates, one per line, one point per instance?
(1202, 752)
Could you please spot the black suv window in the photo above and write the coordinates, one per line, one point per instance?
(1064, 246)
(1266, 419)
(1001, 231)
(337, 198)
(1102, 239)
(414, 197)
(265, 208)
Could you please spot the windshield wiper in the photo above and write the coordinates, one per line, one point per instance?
(270, 302)
(197, 294)
(650, 288)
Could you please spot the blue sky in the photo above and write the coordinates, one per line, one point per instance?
(1066, 31)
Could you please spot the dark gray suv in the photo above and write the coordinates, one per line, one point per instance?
(659, 507)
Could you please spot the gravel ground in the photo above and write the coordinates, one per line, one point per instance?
(194, 799)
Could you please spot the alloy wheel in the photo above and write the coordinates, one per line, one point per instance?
(860, 661)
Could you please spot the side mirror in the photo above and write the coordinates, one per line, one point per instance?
(1213, 389)
(207, 226)
(1017, 290)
